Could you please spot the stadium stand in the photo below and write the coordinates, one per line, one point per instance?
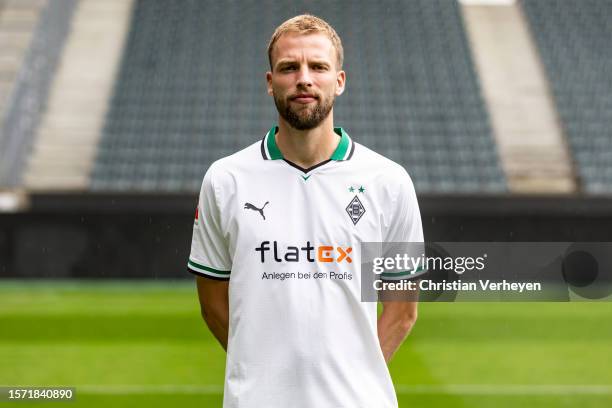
(68, 135)
(191, 89)
(46, 24)
(18, 19)
(574, 41)
(533, 150)
(128, 106)
(17, 22)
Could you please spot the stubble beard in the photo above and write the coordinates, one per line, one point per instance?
(304, 119)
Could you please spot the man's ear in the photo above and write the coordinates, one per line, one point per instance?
(340, 82)
(269, 82)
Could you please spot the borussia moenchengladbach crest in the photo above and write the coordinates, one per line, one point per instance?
(355, 210)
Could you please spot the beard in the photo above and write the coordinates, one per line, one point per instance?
(306, 118)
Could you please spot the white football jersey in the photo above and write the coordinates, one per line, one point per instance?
(287, 238)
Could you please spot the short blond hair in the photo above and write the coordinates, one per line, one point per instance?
(307, 24)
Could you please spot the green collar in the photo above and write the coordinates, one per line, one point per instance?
(344, 150)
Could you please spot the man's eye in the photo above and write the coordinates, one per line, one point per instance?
(320, 67)
(288, 68)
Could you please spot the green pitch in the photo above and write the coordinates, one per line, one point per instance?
(143, 344)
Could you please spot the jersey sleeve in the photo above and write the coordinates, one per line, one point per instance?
(406, 228)
(209, 255)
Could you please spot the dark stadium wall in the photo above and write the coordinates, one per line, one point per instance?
(148, 236)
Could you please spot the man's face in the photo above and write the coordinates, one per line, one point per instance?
(305, 79)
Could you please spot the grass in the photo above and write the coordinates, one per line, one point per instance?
(140, 343)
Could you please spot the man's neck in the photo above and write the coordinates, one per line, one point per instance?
(307, 148)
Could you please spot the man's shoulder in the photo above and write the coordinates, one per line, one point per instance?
(368, 160)
(242, 160)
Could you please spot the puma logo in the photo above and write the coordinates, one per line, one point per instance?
(249, 206)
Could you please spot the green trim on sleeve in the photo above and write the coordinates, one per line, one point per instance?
(207, 270)
(401, 274)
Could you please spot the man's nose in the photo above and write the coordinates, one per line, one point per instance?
(304, 78)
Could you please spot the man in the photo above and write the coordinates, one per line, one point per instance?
(276, 244)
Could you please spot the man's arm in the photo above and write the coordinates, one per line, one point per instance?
(214, 305)
(394, 324)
